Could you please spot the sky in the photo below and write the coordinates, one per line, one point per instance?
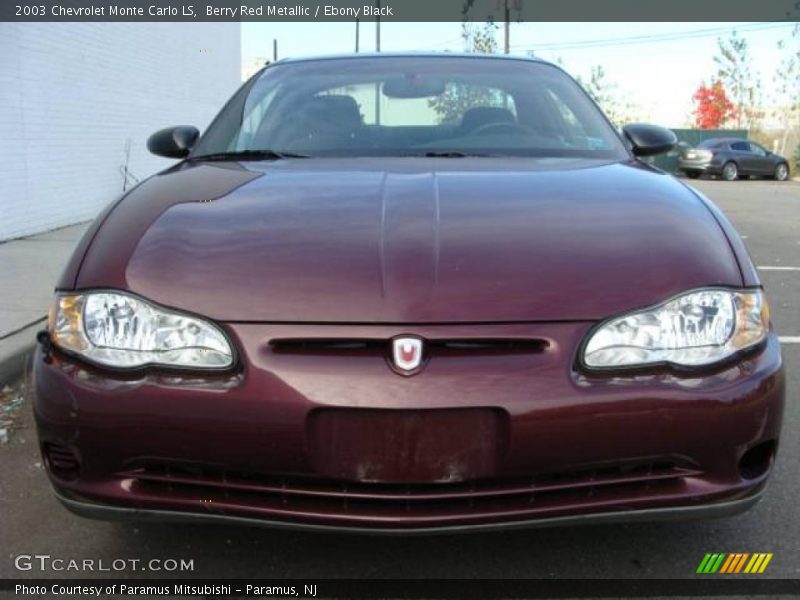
(659, 75)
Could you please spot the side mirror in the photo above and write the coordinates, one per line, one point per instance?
(648, 140)
(173, 142)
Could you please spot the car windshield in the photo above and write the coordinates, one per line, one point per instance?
(712, 143)
(413, 106)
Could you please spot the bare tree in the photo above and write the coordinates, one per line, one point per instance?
(507, 6)
(734, 69)
(787, 87)
(603, 91)
(479, 38)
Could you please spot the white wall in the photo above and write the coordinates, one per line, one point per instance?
(72, 95)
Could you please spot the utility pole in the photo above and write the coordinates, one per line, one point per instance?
(356, 36)
(274, 49)
(378, 49)
(378, 27)
(507, 18)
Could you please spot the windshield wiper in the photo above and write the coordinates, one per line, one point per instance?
(249, 155)
(452, 154)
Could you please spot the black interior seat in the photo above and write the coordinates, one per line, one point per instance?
(330, 118)
(333, 112)
(479, 116)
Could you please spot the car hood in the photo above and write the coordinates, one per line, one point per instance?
(409, 240)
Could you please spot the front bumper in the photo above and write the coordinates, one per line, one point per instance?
(677, 513)
(314, 437)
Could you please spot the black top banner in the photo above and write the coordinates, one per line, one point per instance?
(401, 10)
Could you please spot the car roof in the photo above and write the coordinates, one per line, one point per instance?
(421, 54)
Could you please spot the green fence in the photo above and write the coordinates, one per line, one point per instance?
(692, 137)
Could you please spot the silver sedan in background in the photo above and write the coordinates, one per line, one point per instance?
(731, 158)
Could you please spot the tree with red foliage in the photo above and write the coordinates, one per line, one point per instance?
(713, 106)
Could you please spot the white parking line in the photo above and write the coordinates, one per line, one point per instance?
(768, 268)
(789, 339)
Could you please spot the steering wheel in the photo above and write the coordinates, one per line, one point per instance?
(509, 127)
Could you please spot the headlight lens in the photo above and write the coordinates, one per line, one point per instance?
(123, 331)
(695, 329)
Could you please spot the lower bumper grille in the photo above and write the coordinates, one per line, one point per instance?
(608, 488)
(61, 461)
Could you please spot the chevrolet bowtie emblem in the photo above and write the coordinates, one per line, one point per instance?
(407, 353)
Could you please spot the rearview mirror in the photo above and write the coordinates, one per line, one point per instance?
(648, 140)
(173, 142)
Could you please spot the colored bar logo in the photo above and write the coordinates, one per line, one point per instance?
(733, 563)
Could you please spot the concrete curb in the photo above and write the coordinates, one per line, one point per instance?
(16, 352)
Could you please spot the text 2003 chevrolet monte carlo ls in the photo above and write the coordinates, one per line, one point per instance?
(410, 293)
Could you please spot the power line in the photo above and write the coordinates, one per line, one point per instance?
(446, 43)
(639, 39)
(644, 39)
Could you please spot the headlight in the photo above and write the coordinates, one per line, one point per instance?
(695, 329)
(120, 330)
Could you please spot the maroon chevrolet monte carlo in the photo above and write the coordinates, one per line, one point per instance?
(409, 293)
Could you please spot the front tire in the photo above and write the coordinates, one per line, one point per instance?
(781, 172)
(730, 172)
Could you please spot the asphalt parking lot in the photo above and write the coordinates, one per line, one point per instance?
(766, 213)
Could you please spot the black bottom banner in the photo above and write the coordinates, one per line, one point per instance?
(399, 588)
